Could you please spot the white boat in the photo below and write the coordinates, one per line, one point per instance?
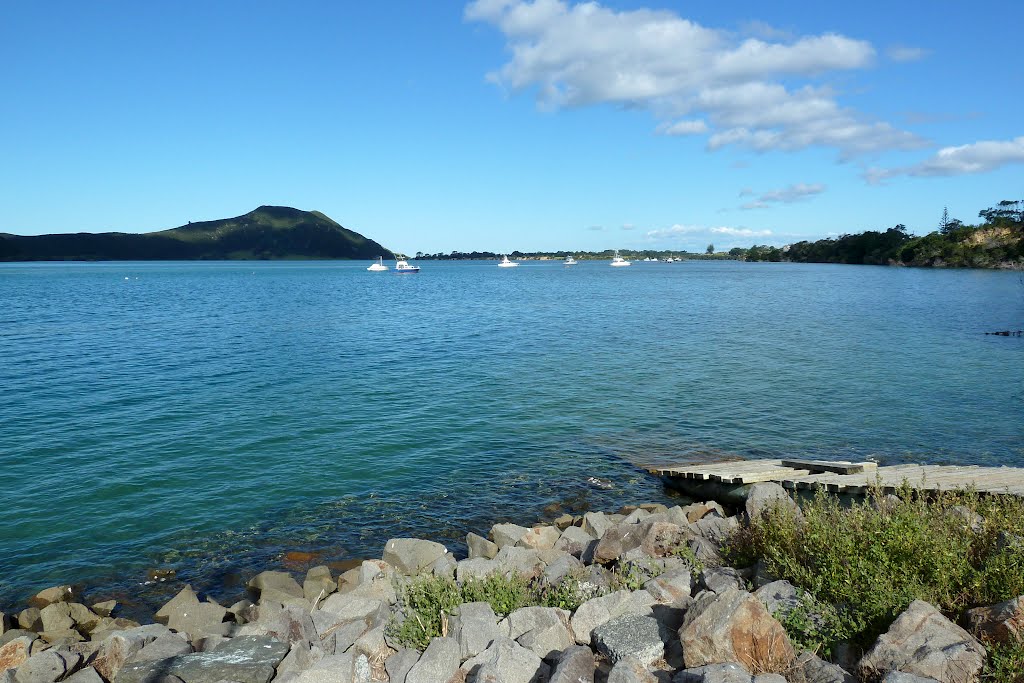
(618, 261)
(669, 260)
(403, 266)
(378, 266)
(569, 261)
(505, 263)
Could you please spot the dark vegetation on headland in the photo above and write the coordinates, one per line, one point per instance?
(997, 242)
(269, 232)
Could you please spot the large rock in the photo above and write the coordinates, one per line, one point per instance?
(673, 586)
(114, 652)
(734, 626)
(618, 540)
(715, 530)
(637, 637)
(596, 523)
(600, 610)
(574, 665)
(779, 597)
(163, 647)
(480, 547)
(809, 668)
(438, 663)
(630, 671)
(1002, 623)
(763, 497)
(923, 642)
(47, 667)
(476, 568)
(56, 617)
(475, 627)
(729, 672)
(720, 579)
(49, 596)
(275, 586)
(543, 630)
(246, 659)
(399, 664)
(290, 625)
(574, 541)
(301, 657)
(185, 613)
(30, 619)
(560, 569)
(504, 661)
(411, 555)
(539, 538)
(331, 669)
(86, 675)
(318, 584)
(507, 534)
(523, 562)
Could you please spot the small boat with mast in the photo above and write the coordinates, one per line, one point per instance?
(379, 266)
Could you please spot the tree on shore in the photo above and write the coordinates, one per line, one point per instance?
(710, 249)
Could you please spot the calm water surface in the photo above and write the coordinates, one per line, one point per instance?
(213, 416)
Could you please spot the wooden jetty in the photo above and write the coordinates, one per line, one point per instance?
(844, 477)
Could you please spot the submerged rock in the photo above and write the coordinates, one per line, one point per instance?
(246, 659)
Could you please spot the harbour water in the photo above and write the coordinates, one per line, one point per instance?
(214, 417)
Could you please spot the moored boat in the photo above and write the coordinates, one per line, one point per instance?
(505, 263)
(403, 266)
(618, 261)
(378, 266)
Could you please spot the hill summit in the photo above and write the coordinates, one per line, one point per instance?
(268, 232)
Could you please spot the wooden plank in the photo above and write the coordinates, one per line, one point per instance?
(835, 466)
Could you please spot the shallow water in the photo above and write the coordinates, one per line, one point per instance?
(213, 416)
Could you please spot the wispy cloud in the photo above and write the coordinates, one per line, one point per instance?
(755, 92)
(679, 230)
(596, 228)
(787, 195)
(628, 226)
(902, 53)
(977, 157)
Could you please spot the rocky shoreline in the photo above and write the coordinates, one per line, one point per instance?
(642, 595)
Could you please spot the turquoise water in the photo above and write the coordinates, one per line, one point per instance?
(210, 417)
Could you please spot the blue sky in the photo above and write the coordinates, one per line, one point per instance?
(503, 124)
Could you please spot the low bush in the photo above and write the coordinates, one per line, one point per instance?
(871, 559)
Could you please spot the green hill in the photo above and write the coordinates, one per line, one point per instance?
(269, 232)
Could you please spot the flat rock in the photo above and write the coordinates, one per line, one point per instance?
(186, 613)
(923, 642)
(246, 659)
(539, 538)
(29, 619)
(507, 534)
(480, 547)
(105, 608)
(574, 665)
(779, 597)
(290, 625)
(673, 586)
(438, 663)
(543, 630)
(637, 637)
(812, 669)
(276, 582)
(56, 617)
(900, 677)
(399, 664)
(505, 661)
(720, 579)
(574, 541)
(734, 626)
(596, 523)
(49, 596)
(475, 568)
(44, 667)
(163, 647)
(1002, 622)
(475, 627)
(600, 610)
(524, 562)
(331, 669)
(410, 556)
(86, 675)
(630, 671)
(728, 672)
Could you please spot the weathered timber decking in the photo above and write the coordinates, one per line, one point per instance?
(850, 477)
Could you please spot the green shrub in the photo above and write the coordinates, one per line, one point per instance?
(504, 594)
(1005, 662)
(873, 558)
(426, 602)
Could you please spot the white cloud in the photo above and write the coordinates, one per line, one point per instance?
(977, 157)
(679, 230)
(902, 53)
(575, 55)
(596, 228)
(628, 226)
(691, 127)
(787, 195)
